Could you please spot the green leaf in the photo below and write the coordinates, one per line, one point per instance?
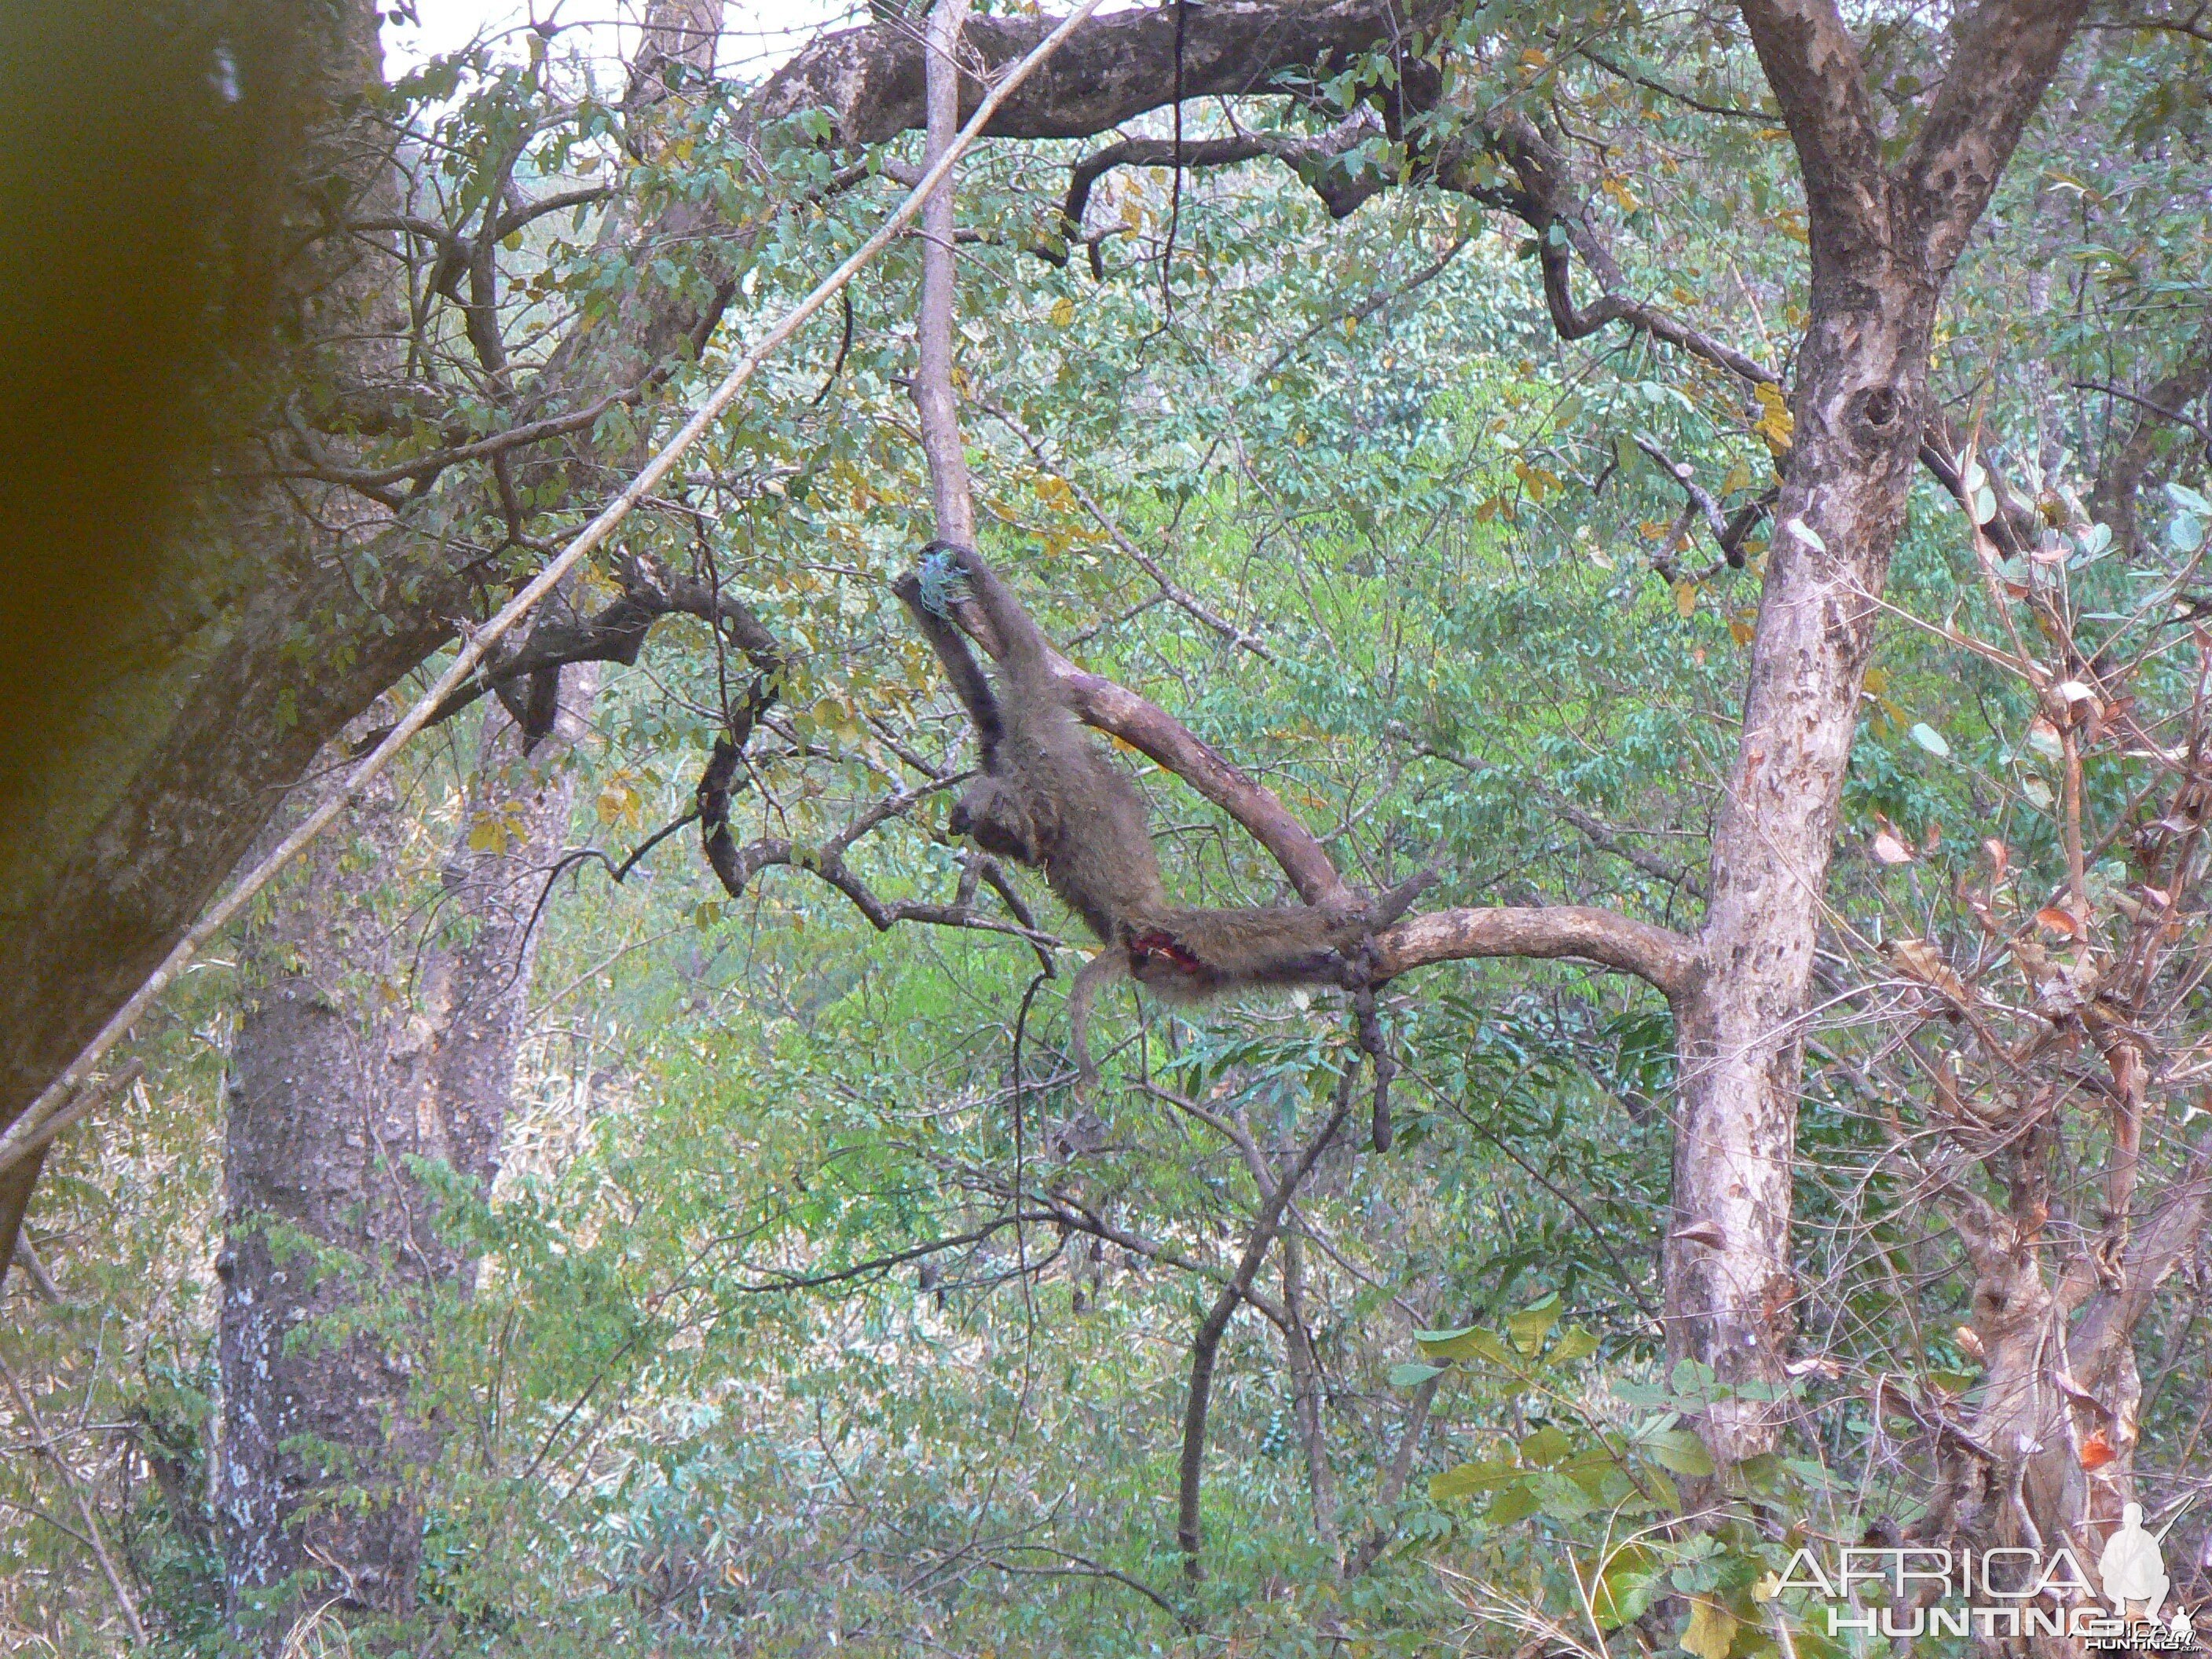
(1467, 1479)
(1631, 1583)
(1693, 1379)
(1471, 1343)
(1412, 1374)
(1575, 1343)
(1680, 1450)
(1931, 739)
(1547, 1447)
(1516, 1503)
(1529, 1326)
(1561, 1499)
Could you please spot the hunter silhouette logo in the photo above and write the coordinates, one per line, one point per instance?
(2133, 1568)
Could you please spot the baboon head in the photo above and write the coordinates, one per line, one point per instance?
(998, 819)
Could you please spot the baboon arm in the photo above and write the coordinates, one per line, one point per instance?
(961, 667)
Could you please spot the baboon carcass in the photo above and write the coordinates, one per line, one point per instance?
(1050, 798)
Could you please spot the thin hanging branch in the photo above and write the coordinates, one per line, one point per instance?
(1206, 1346)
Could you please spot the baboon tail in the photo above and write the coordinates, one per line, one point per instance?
(1109, 963)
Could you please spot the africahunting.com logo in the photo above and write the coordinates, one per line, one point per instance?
(1995, 1593)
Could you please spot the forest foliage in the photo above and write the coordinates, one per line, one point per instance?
(814, 1310)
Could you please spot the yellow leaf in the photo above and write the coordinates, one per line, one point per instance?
(619, 801)
(1739, 477)
(1774, 423)
(1710, 1632)
(1686, 599)
(1063, 312)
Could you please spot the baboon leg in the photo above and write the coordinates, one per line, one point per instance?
(1022, 650)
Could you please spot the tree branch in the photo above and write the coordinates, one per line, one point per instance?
(1659, 956)
(616, 635)
(1812, 65)
(31, 1133)
(1369, 1548)
(43, 1445)
(1207, 1344)
(934, 400)
(870, 82)
(2003, 53)
(1150, 730)
(1728, 531)
(1310, 157)
(1548, 203)
(1080, 1567)
(2119, 479)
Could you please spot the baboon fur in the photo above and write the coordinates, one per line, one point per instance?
(1050, 798)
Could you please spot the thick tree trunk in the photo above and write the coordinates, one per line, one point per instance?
(362, 1048)
(134, 817)
(169, 738)
(1730, 1290)
(1883, 241)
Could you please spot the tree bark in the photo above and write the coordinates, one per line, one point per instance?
(169, 744)
(362, 1049)
(935, 324)
(1883, 241)
(2157, 422)
(130, 824)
